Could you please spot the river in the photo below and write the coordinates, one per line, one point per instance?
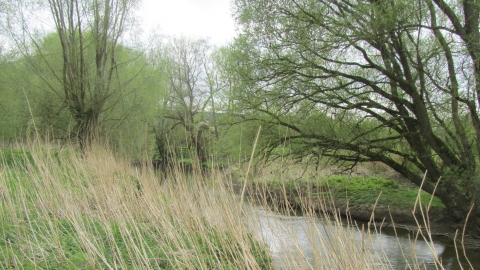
(302, 242)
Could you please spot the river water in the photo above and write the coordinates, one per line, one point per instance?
(301, 242)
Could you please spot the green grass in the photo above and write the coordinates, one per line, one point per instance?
(68, 251)
(356, 183)
(358, 190)
(16, 158)
(365, 190)
(61, 211)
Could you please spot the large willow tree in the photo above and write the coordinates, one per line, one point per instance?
(89, 34)
(389, 81)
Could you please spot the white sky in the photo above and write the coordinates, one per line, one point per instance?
(193, 18)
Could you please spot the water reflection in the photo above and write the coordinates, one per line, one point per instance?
(299, 242)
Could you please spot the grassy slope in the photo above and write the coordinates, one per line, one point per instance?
(61, 211)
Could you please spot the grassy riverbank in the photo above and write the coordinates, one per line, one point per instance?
(358, 194)
(358, 190)
(60, 209)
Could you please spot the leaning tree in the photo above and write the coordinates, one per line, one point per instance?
(396, 82)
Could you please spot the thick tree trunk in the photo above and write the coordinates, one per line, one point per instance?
(455, 200)
(87, 130)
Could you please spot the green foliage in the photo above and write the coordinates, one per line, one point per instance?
(353, 81)
(14, 110)
(129, 110)
(347, 183)
(235, 144)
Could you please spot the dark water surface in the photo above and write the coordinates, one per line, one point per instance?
(292, 234)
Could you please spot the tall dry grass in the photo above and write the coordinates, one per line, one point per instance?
(64, 210)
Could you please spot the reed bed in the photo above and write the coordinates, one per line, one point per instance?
(60, 209)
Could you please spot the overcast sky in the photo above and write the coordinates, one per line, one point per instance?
(195, 18)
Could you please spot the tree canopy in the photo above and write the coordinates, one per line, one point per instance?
(390, 81)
